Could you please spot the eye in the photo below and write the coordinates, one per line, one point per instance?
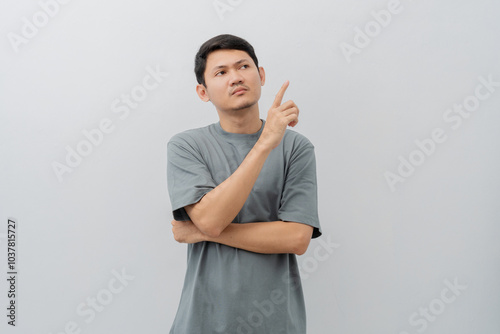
(220, 73)
(245, 66)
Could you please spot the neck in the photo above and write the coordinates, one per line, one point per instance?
(241, 121)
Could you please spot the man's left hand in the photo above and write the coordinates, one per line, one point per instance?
(186, 232)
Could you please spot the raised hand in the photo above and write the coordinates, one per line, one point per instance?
(278, 118)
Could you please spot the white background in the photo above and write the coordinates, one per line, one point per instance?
(394, 248)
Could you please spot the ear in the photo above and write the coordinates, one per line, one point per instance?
(201, 90)
(262, 75)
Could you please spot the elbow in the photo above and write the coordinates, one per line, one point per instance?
(212, 232)
(301, 249)
(302, 241)
(209, 228)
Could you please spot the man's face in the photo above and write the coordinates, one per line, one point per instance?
(232, 81)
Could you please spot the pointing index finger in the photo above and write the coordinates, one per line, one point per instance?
(281, 93)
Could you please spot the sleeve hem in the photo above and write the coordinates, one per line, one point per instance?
(178, 210)
(314, 223)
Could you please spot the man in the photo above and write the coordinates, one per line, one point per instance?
(243, 194)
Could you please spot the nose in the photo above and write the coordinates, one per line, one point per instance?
(236, 78)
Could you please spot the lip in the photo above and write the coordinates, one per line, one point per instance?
(239, 90)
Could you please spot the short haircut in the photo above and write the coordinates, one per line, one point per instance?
(221, 42)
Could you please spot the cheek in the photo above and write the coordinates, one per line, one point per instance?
(258, 87)
(257, 82)
(216, 92)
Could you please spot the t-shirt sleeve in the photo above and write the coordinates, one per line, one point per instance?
(299, 201)
(188, 178)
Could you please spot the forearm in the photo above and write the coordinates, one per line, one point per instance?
(217, 209)
(267, 237)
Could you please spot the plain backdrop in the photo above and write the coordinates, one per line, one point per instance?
(408, 184)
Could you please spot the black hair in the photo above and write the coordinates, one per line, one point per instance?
(221, 42)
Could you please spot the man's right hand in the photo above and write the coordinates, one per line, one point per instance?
(278, 118)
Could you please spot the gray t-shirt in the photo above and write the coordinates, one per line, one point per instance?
(226, 289)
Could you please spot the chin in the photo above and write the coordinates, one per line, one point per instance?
(243, 106)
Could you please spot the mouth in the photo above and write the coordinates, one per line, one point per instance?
(239, 91)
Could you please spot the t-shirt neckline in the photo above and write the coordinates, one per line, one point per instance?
(244, 136)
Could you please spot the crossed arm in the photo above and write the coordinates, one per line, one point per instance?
(264, 237)
(211, 217)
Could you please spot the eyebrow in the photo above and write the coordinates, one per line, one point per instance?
(236, 63)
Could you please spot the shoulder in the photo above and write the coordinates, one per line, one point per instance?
(189, 143)
(296, 141)
(190, 137)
